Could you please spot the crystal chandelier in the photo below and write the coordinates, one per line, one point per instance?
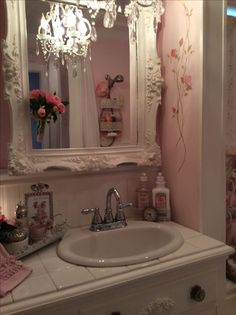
(66, 34)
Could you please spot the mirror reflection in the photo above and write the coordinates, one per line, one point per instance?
(95, 94)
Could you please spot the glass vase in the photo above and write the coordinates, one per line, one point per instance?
(40, 130)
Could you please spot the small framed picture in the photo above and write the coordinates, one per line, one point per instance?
(39, 207)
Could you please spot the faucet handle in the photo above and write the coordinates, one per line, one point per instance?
(97, 219)
(120, 215)
(125, 205)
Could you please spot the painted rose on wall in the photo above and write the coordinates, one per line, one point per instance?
(179, 58)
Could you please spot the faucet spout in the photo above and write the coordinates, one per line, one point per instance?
(108, 217)
(120, 214)
(112, 191)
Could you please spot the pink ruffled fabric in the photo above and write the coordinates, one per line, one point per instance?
(12, 272)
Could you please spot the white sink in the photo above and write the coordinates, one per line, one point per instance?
(138, 242)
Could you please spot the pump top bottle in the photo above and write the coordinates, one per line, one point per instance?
(142, 193)
(161, 199)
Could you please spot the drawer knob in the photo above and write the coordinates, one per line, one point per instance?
(197, 293)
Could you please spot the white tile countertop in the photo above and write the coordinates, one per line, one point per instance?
(53, 278)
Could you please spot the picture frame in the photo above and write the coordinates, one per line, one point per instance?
(39, 207)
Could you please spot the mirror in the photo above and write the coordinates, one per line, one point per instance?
(85, 123)
(143, 77)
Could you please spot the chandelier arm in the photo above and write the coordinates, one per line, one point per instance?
(80, 5)
(61, 1)
(146, 5)
(66, 2)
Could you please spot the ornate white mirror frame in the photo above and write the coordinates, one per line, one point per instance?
(145, 86)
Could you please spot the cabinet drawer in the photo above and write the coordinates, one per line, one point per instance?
(130, 301)
(133, 297)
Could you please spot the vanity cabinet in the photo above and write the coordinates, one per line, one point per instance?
(189, 281)
(171, 285)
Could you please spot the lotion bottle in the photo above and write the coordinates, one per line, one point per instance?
(161, 199)
(142, 193)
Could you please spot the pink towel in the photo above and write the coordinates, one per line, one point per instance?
(12, 271)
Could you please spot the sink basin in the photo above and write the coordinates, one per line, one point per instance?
(138, 242)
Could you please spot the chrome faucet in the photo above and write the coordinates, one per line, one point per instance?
(108, 217)
(109, 222)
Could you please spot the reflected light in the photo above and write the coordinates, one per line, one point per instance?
(231, 11)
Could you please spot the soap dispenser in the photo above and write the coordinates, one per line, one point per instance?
(161, 199)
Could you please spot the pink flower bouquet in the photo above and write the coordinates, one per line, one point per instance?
(44, 108)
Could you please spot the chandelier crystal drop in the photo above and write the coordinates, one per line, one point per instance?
(65, 33)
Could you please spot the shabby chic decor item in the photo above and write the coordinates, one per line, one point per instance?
(52, 235)
(145, 98)
(39, 205)
(65, 33)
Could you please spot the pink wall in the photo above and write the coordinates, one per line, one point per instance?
(4, 109)
(184, 183)
(181, 40)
